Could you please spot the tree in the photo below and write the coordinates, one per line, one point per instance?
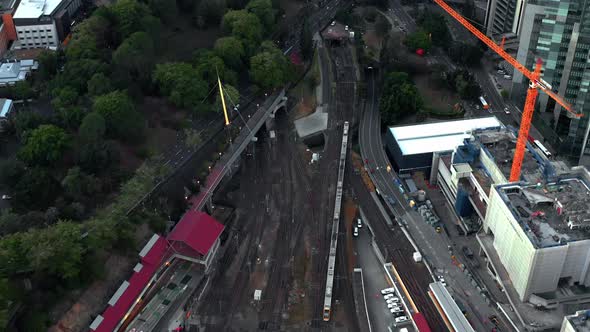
(306, 41)
(464, 83)
(9, 223)
(136, 57)
(231, 50)
(47, 64)
(78, 185)
(97, 157)
(436, 26)
(269, 69)
(129, 15)
(209, 12)
(121, 118)
(71, 117)
(64, 98)
(208, 65)
(232, 98)
(264, 11)
(181, 83)
(418, 39)
(22, 90)
(76, 74)
(166, 10)
(243, 24)
(44, 145)
(35, 189)
(99, 84)
(192, 138)
(10, 171)
(25, 121)
(399, 97)
(92, 128)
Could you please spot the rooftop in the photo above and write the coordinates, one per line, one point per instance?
(6, 5)
(439, 136)
(35, 8)
(551, 214)
(579, 321)
(198, 230)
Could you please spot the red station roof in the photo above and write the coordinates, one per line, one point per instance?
(149, 264)
(421, 323)
(198, 230)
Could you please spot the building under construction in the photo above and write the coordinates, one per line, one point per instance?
(541, 234)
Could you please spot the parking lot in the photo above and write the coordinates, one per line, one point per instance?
(375, 280)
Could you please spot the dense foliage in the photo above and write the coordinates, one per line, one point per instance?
(399, 97)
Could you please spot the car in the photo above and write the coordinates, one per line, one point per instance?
(355, 232)
(499, 86)
(506, 110)
(359, 223)
(438, 229)
(392, 305)
(392, 300)
(500, 71)
(388, 290)
(394, 310)
(346, 27)
(388, 296)
(442, 281)
(467, 251)
(6, 197)
(494, 319)
(401, 319)
(333, 23)
(508, 77)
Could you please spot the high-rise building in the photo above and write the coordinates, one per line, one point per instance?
(558, 32)
(504, 16)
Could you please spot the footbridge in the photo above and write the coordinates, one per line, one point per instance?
(268, 109)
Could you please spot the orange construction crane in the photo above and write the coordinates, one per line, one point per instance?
(536, 84)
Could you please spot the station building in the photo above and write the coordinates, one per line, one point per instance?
(412, 148)
(540, 233)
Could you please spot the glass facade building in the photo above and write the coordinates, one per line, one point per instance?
(558, 32)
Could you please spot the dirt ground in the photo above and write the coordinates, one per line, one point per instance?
(434, 97)
(180, 40)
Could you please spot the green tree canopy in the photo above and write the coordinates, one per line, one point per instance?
(181, 83)
(399, 97)
(98, 157)
(436, 25)
(129, 15)
(232, 98)
(93, 128)
(264, 11)
(76, 74)
(166, 10)
(270, 68)
(64, 98)
(418, 39)
(231, 50)
(10, 171)
(136, 57)
(25, 121)
(78, 185)
(37, 188)
(44, 145)
(121, 118)
(47, 64)
(243, 24)
(208, 65)
(306, 41)
(99, 84)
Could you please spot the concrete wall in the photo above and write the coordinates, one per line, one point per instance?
(566, 326)
(515, 250)
(403, 162)
(547, 266)
(37, 36)
(490, 165)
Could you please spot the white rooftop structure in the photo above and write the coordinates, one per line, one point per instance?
(438, 136)
(12, 72)
(35, 8)
(450, 308)
(5, 107)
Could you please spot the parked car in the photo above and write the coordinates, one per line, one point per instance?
(401, 319)
(394, 310)
(388, 290)
(355, 232)
(467, 251)
(441, 279)
(6, 197)
(388, 296)
(508, 77)
(506, 110)
(494, 319)
(359, 223)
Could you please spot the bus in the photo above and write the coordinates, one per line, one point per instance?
(483, 103)
(542, 148)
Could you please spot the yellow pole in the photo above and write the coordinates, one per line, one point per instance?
(222, 101)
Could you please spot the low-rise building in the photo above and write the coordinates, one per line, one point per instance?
(412, 147)
(44, 23)
(6, 111)
(577, 322)
(12, 72)
(7, 29)
(541, 234)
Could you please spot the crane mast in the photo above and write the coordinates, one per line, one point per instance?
(536, 84)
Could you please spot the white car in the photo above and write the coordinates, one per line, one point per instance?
(333, 23)
(355, 232)
(441, 279)
(395, 310)
(401, 319)
(506, 110)
(392, 305)
(388, 290)
(6, 197)
(388, 296)
(359, 224)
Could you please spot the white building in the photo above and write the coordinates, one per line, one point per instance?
(6, 110)
(12, 72)
(541, 235)
(43, 23)
(577, 322)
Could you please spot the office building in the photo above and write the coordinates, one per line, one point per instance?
(44, 23)
(558, 32)
(504, 16)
